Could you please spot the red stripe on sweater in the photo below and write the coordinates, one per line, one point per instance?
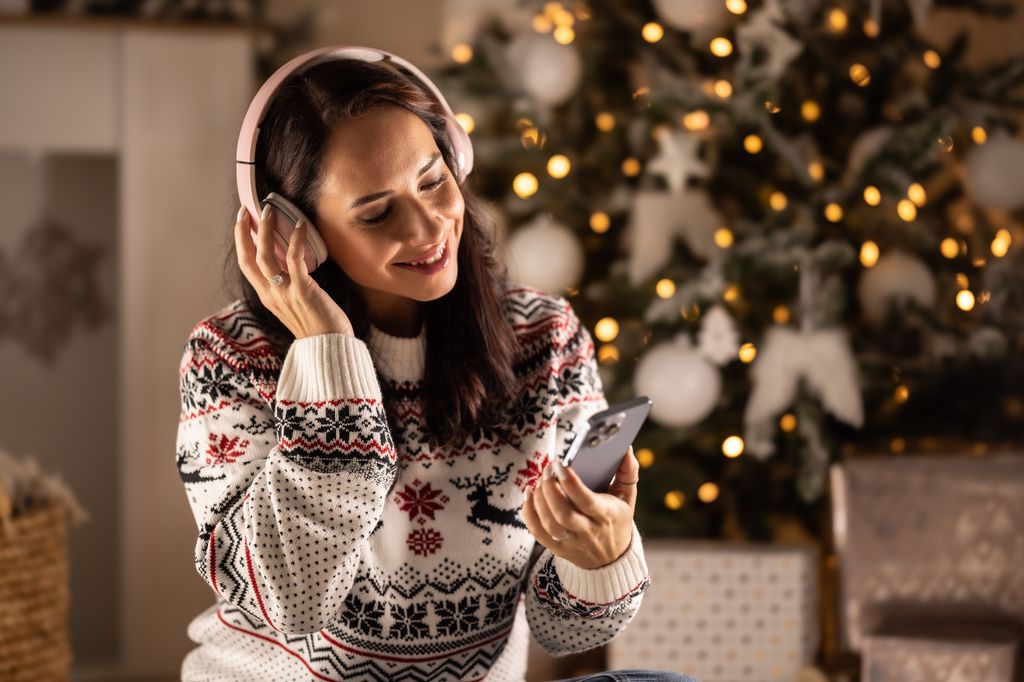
(252, 580)
(213, 562)
(274, 641)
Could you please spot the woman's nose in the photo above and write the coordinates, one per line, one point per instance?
(424, 226)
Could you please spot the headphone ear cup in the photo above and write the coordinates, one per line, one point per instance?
(286, 216)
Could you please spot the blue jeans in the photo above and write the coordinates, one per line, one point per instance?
(634, 675)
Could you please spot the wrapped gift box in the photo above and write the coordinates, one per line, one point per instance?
(724, 612)
(932, 538)
(906, 658)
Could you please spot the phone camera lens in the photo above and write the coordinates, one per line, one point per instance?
(594, 441)
(612, 430)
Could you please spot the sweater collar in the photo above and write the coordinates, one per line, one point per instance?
(400, 358)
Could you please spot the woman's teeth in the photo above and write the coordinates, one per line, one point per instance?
(433, 259)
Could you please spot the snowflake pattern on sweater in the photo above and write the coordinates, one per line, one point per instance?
(341, 545)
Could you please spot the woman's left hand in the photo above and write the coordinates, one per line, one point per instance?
(588, 529)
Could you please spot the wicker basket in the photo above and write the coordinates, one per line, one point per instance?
(33, 594)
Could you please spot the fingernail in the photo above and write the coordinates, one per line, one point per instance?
(241, 212)
(547, 471)
(265, 212)
(526, 494)
(559, 470)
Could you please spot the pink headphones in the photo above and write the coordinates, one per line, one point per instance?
(288, 215)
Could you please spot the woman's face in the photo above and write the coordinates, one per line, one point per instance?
(389, 198)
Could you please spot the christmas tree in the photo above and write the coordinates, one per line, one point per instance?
(795, 225)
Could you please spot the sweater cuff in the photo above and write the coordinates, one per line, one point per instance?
(608, 583)
(327, 367)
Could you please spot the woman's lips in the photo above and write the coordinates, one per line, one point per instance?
(436, 266)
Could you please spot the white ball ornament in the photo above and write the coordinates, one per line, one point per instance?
(548, 71)
(689, 15)
(994, 173)
(682, 385)
(897, 276)
(544, 255)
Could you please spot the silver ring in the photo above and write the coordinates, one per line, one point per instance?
(277, 279)
(628, 482)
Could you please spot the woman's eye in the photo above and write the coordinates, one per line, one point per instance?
(381, 217)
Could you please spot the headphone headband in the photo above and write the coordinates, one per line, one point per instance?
(245, 153)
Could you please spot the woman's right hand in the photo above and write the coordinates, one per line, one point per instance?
(299, 302)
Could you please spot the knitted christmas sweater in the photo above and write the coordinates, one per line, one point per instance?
(341, 545)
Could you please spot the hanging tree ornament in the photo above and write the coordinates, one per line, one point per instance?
(678, 159)
(545, 255)
(682, 385)
(658, 218)
(897, 276)
(994, 179)
(548, 71)
(761, 37)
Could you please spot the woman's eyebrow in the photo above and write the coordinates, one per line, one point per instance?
(373, 197)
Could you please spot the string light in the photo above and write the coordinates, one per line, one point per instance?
(525, 185)
(723, 89)
(950, 248)
(562, 16)
(906, 210)
(788, 422)
(810, 110)
(978, 135)
(833, 212)
(604, 121)
(731, 293)
(645, 456)
(771, 107)
(723, 237)
(631, 167)
(916, 194)
(652, 32)
(558, 166)
(932, 59)
(752, 143)
(901, 394)
(721, 47)
(696, 120)
(665, 288)
(962, 281)
(780, 314)
(564, 35)
(946, 143)
(542, 24)
(674, 499)
(736, 6)
(600, 222)
(1001, 243)
(837, 20)
(532, 137)
(816, 170)
(606, 329)
(732, 447)
(748, 352)
(778, 201)
(461, 53)
(872, 197)
(608, 354)
(869, 254)
(860, 75)
(871, 28)
(466, 121)
(707, 493)
(965, 300)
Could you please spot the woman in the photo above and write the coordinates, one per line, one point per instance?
(359, 444)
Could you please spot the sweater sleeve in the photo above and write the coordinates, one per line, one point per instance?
(572, 609)
(284, 498)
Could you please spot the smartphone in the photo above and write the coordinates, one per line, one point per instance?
(598, 449)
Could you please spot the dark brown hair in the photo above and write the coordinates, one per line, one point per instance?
(471, 345)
